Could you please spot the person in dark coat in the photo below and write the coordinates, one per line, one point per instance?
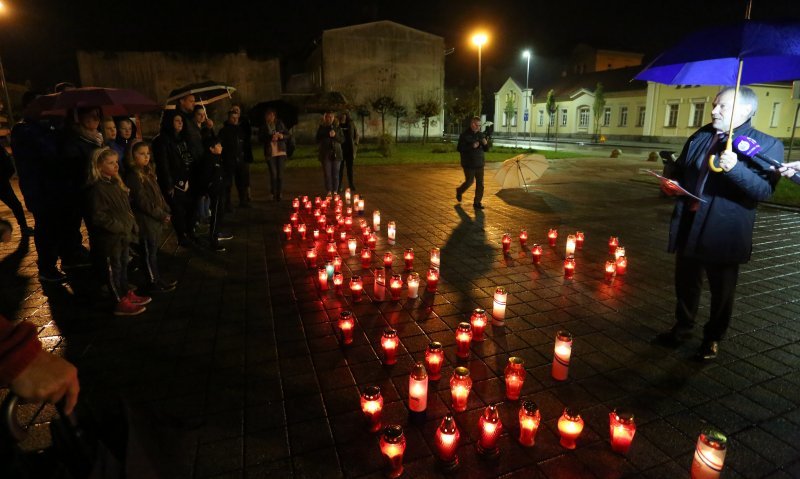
(349, 149)
(274, 136)
(330, 139)
(471, 145)
(715, 235)
(211, 181)
(173, 167)
(237, 172)
(243, 173)
(126, 133)
(7, 194)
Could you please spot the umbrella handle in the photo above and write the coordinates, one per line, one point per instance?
(712, 163)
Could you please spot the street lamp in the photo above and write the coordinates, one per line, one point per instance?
(7, 99)
(527, 56)
(479, 39)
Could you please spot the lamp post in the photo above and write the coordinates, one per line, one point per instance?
(7, 98)
(479, 39)
(527, 56)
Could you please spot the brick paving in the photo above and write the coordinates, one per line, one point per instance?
(246, 347)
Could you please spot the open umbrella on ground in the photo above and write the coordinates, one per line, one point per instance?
(205, 93)
(112, 102)
(521, 171)
(731, 55)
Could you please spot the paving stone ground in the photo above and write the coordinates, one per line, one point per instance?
(245, 350)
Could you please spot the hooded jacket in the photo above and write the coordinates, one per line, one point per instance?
(472, 157)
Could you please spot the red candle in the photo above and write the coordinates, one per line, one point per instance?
(622, 265)
(311, 257)
(372, 241)
(338, 281)
(372, 406)
(418, 391)
(387, 260)
(294, 219)
(329, 229)
(296, 204)
(348, 220)
(611, 269)
(523, 238)
(552, 235)
(331, 249)
(408, 256)
(389, 342)
(393, 446)
(478, 322)
(337, 263)
(396, 285)
(460, 386)
(346, 325)
(569, 267)
(463, 340)
(490, 429)
(621, 428)
(447, 437)
(579, 238)
(515, 377)
(301, 228)
(529, 419)
(536, 253)
(315, 233)
(562, 351)
(309, 206)
(570, 426)
(322, 221)
(434, 358)
(343, 235)
(365, 234)
(356, 287)
(322, 275)
(366, 258)
(317, 200)
(433, 280)
(613, 242)
(506, 242)
(287, 230)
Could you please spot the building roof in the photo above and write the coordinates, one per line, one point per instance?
(379, 25)
(617, 80)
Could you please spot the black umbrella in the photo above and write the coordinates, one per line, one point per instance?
(205, 93)
(285, 111)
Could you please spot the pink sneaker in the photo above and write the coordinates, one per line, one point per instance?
(126, 308)
(138, 300)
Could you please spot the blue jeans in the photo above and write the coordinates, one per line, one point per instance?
(331, 171)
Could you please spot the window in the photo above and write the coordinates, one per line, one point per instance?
(505, 119)
(583, 117)
(540, 120)
(640, 120)
(564, 117)
(698, 113)
(607, 116)
(553, 118)
(671, 115)
(623, 116)
(775, 115)
(514, 118)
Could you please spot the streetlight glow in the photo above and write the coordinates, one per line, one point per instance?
(526, 54)
(478, 39)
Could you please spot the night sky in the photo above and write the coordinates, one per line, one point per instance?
(38, 38)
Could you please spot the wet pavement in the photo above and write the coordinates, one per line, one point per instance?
(245, 351)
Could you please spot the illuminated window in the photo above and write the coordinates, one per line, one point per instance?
(564, 117)
(583, 117)
(623, 116)
(607, 116)
(540, 120)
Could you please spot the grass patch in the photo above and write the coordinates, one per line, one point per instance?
(787, 193)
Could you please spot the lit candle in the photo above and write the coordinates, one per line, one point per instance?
(561, 355)
(463, 340)
(393, 445)
(569, 267)
(322, 222)
(287, 230)
(294, 219)
(396, 285)
(619, 251)
(376, 220)
(337, 264)
(389, 344)
(499, 306)
(366, 258)
(622, 265)
(579, 238)
(418, 392)
(433, 280)
(348, 220)
(391, 232)
(356, 287)
(621, 428)
(506, 243)
(372, 406)
(515, 377)
(529, 419)
(331, 249)
(365, 232)
(352, 243)
(337, 210)
(342, 235)
(570, 426)
(315, 233)
(317, 213)
(301, 228)
(435, 257)
(709, 454)
(413, 284)
(447, 438)
(611, 269)
(408, 257)
(552, 235)
(329, 229)
(322, 275)
(613, 242)
(387, 260)
(490, 429)
(347, 196)
(338, 281)
(308, 206)
(361, 206)
(379, 286)
(372, 241)
(356, 196)
(523, 238)
(346, 324)
(571, 242)
(317, 200)
(311, 257)
(536, 253)
(478, 322)
(296, 204)
(460, 386)
(329, 269)
(434, 358)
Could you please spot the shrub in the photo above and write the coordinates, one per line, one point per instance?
(385, 145)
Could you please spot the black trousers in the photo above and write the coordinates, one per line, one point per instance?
(183, 205)
(242, 179)
(722, 280)
(8, 197)
(217, 199)
(276, 166)
(473, 175)
(347, 163)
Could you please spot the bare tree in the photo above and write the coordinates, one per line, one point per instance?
(383, 105)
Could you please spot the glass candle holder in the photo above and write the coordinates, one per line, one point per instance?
(347, 196)
(460, 386)
(396, 286)
(372, 407)
(610, 270)
(329, 230)
(311, 257)
(372, 241)
(343, 235)
(579, 238)
(315, 233)
(523, 238)
(570, 246)
(447, 438)
(613, 242)
(348, 219)
(529, 420)
(287, 230)
(552, 236)
(322, 276)
(569, 267)
(709, 454)
(506, 243)
(389, 343)
(621, 430)
(536, 253)
(376, 220)
(352, 244)
(418, 389)
(490, 428)
(391, 232)
(361, 206)
(619, 251)
(413, 284)
(433, 280)
(393, 446)
(294, 219)
(296, 204)
(434, 359)
(330, 269)
(435, 257)
(356, 287)
(478, 322)
(515, 377)
(302, 228)
(622, 265)
(366, 258)
(337, 264)
(561, 355)
(331, 250)
(379, 286)
(388, 259)
(408, 257)
(463, 340)
(346, 324)
(499, 306)
(338, 281)
(570, 426)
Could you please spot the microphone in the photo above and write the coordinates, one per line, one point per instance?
(750, 147)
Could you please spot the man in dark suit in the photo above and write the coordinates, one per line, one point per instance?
(471, 145)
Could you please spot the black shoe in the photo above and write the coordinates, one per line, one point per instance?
(218, 248)
(458, 195)
(169, 283)
(478, 206)
(708, 351)
(52, 276)
(159, 287)
(224, 236)
(672, 338)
